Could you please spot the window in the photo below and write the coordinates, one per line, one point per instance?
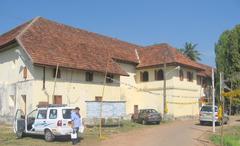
(32, 114)
(190, 76)
(98, 98)
(144, 76)
(159, 74)
(58, 73)
(53, 114)
(199, 80)
(25, 72)
(66, 113)
(89, 76)
(42, 114)
(181, 76)
(109, 78)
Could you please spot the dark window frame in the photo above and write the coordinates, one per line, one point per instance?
(190, 76)
(199, 80)
(58, 73)
(109, 78)
(159, 75)
(89, 76)
(181, 75)
(144, 76)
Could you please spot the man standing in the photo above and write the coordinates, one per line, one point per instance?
(76, 123)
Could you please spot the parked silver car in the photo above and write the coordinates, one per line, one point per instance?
(205, 115)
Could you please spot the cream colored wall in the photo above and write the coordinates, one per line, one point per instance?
(182, 96)
(12, 83)
(73, 88)
(132, 94)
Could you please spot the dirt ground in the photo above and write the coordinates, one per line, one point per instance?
(177, 133)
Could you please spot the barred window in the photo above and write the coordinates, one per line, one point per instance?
(159, 75)
(89, 76)
(144, 76)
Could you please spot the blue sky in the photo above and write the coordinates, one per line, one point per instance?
(143, 22)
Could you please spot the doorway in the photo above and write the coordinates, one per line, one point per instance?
(23, 103)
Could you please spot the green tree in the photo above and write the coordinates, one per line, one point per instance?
(227, 51)
(190, 51)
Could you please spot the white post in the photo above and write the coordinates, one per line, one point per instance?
(213, 102)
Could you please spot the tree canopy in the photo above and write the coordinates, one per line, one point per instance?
(227, 51)
(190, 51)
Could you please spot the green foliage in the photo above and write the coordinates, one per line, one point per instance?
(227, 51)
(231, 137)
(190, 51)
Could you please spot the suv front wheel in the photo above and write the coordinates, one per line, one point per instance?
(49, 136)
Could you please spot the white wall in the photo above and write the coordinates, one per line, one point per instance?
(12, 62)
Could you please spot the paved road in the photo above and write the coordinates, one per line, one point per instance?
(178, 133)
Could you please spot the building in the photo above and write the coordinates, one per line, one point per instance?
(42, 61)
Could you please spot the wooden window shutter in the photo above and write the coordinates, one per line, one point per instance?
(181, 75)
(25, 73)
(98, 98)
(156, 74)
(58, 73)
(141, 76)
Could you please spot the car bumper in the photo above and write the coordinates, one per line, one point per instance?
(153, 120)
(203, 119)
(62, 131)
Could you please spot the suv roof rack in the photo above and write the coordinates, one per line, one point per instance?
(51, 105)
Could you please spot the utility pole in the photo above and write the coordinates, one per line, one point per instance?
(164, 88)
(55, 79)
(213, 102)
(230, 108)
(222, 102)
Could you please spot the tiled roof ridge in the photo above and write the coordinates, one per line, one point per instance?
(27, 27)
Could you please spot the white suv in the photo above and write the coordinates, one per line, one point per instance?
(206, 113)
(50, 121)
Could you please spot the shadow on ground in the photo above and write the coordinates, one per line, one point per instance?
(57, 139)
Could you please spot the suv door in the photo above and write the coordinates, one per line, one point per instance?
(19, 123)
(40, 121)
(31, 120)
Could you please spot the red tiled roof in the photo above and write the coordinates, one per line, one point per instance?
(51, 43)
(207, 72)
(12, 34)
(156, 54)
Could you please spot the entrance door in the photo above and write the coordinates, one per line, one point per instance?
(23, 104)
(57, 99)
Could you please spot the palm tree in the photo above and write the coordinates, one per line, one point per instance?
(190, 51)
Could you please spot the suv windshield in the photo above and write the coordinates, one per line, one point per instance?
(208, 109)
(67, 113)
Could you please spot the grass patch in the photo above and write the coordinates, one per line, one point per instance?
(231, 137)
(91, 136)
